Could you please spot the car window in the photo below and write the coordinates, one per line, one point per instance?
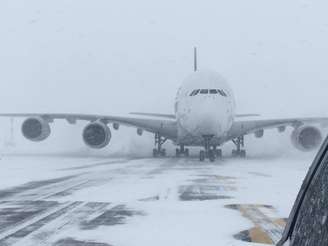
(311, 226)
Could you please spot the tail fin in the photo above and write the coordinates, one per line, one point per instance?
(195, 59)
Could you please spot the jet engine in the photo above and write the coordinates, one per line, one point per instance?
(36, 129)
(306, 138)
(259, 133)
(96, 135)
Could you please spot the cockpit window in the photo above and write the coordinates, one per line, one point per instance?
(194, 92)
(208, 91)
(222, 93)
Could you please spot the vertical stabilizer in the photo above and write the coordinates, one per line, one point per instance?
(195, 59)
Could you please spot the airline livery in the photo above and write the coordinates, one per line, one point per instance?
(204, 116)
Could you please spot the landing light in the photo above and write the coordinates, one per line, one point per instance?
(139, 131)
(116, 126)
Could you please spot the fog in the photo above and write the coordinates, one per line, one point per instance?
(113, 57)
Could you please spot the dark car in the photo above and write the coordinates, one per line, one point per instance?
(308, 221)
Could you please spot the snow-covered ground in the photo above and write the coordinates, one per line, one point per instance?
(52, 200)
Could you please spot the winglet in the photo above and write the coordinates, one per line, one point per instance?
(195, 59)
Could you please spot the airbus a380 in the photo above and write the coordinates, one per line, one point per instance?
(204, 116)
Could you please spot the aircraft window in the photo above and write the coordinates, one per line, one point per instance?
(204, 91)
(212, 91)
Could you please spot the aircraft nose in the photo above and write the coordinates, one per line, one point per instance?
(203, 120)
(207, 123)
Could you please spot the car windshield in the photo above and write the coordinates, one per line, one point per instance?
(225, 106)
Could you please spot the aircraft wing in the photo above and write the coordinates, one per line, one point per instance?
(246, 115)
(172, 116)
(165, 127)
(245, 127)
(169, 116)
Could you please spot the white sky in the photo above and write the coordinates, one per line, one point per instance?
(113, 57)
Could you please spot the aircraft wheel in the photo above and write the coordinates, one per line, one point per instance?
(242, 153)
(218, 153)
(202, 155)
(186, 152)
(211, 155)
(155, 153)
(163, 152)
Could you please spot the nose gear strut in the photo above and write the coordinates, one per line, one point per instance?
(182, 151)
(210, 152)
(240, 143)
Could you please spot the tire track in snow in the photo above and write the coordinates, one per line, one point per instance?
(19, 234)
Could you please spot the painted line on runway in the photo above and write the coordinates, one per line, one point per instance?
(267, 229)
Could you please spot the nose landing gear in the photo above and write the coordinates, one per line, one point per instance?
(238, 152)
(182, 151)
(158, 150)
(210, 152)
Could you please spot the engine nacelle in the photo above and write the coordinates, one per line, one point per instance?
(36, 129)
(116, 126)
(281, 129)
(259, 133)
(139, 131)
(306, 138)
(96, 135)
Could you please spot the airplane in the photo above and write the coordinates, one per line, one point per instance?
(204, 116)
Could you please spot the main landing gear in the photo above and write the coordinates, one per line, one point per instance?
(210, 152)
(240, 143)
(158, 150)
(182, 151)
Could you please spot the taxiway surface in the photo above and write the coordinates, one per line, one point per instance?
(63, 201)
